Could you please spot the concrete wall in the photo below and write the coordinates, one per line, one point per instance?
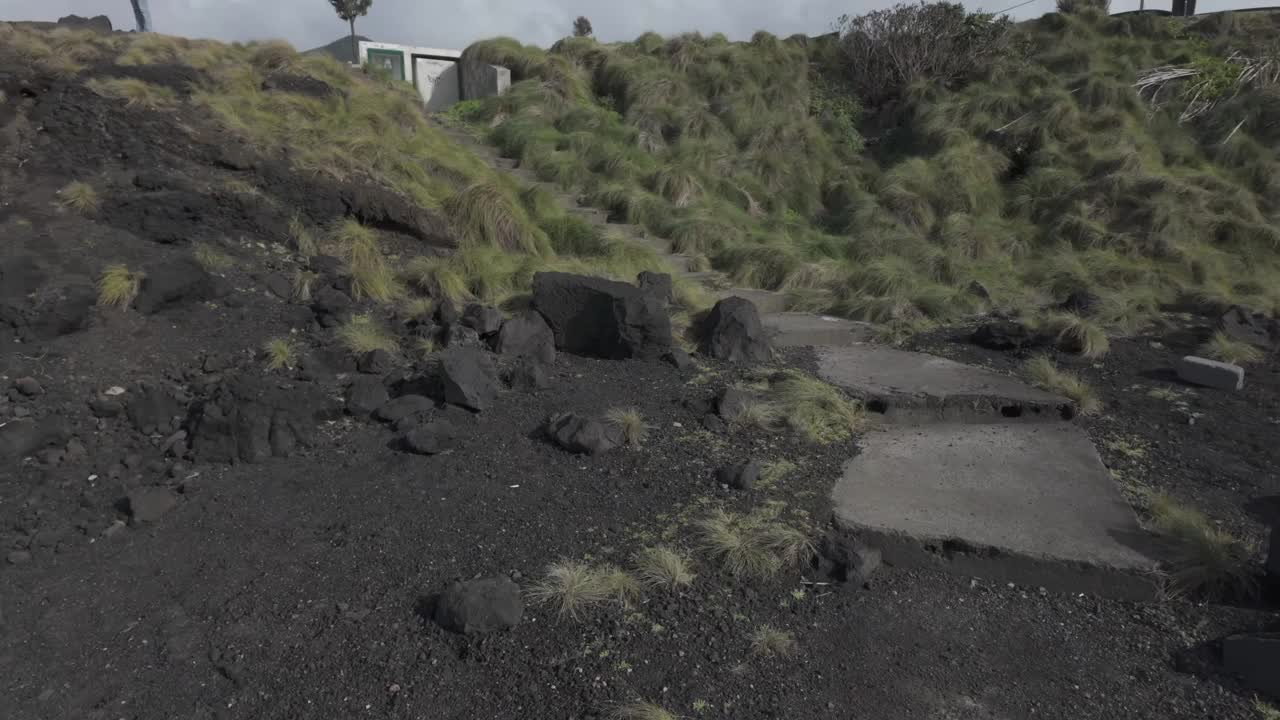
(438, 74)
(481, 81)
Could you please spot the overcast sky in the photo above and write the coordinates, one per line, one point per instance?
(457, 23)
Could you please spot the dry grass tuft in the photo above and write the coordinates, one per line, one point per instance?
(486, 216)
(775, 472)
(1206, 559)
(754, 545)
(640, 710)
(80, 196)
(118, 286)
(361, 334)
(1078, 335)
(135, 93)
(1225, 348)
(211, 258)
(769, 641)
(663, 567)
(274, 56)
(281, 352)
(817, 411)
(300, 235)
(573, 587)
(631, 424)
(438, 278)
(300, 285)
(371, 277)
(1046, 374)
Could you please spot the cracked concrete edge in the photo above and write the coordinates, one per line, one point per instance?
(908, 408)
(999, 565)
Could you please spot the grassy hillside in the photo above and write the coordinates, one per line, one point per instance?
(328, 121)
(1042, 172)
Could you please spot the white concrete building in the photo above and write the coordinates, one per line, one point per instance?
(434, 71)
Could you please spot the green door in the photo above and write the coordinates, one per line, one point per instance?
(390, 60)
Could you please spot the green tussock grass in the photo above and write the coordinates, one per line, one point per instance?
(1077, 334)
(1041, 173)
(301, 239)
(371, 276)
(1206, 559)
(361, 334)
(769, 641)
(211, 258)
(813, 409)
(1227, 349)
(80, 196)
(663, 567)
(574, 587)
(1048, 376)
(281, 353)
(775, 471)
(1265, 710)
(135, 93)
(630, 424)
(118, 286)
(756, 545)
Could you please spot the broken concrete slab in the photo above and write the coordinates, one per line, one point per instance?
(916, 387)
(1029, 503)
(1211, 373)
(797, 329)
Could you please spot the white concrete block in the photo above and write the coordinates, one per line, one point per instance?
(1211, 373)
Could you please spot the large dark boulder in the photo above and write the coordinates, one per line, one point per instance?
(154, 409)
(364, 395)
(1006, 335)
(403, 407)
(740, 475)
(602, 318)
(251, 419)
(528, 374)
(483, 319)
(174, 283)
(67, 312)
(526, 335)
(732, 331)
(469, 378)
(1250, 326)
(480, 606)
(657, 285)
(581, 435)
(1255, 659)
(432, 438)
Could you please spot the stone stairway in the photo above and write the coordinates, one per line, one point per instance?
(965, 470)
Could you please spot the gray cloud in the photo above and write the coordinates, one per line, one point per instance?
(457, 23)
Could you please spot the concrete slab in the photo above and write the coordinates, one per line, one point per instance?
(1030, 503)
(917, 387)
(800, 329)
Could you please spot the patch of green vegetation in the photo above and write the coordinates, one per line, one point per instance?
(815, 410)
(769, 641)
(211, 258)
(134, 92)
(1046, 374)
(640, 710)
(80, 196)
(281, 352)
(630, 424)
(1206, 559)
(755, 545)
(371, 277)
(663, 567)
(1037, 172)
(573, 587)
(118, 286)
(362, 334)
(1227, 349)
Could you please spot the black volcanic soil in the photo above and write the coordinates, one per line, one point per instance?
(295, 587)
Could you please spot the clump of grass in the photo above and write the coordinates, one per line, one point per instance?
(80, 196)
(1077, 334)
(816, 410)
(300, 285)
(776, 471)
(135, 93)
(769, 641)
(663, 567)
(362, 334)
(210, 257)
(273, 56)
(1048, 376)
(758, 414)
(371, 277)
(486, 216)
(640, 710)
(1265, 710)
(574, 587)
(755, 545)
(300, 235)
(417, 307)
(1227, 349)
(281, 352)
(425, 346)
(1206, 559)
(118, 286)
(437, 277)
(631, 424)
